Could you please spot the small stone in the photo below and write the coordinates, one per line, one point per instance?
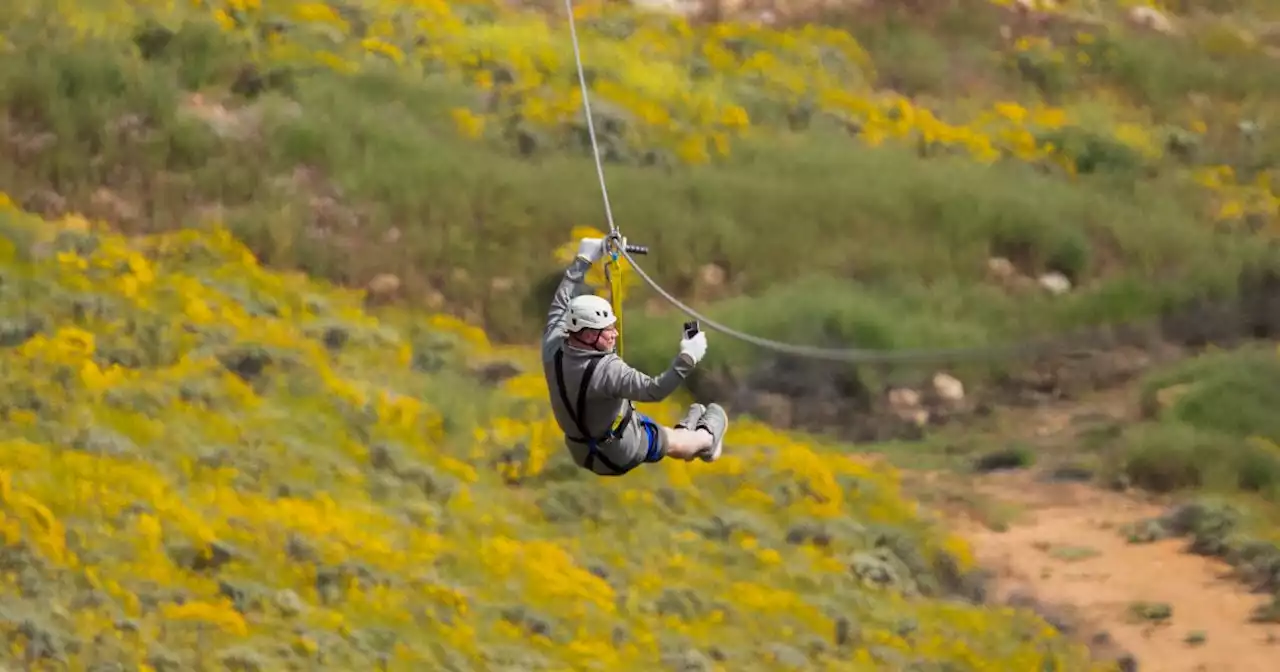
(1001, 268)
(711, 275)
(1151, 18)
(1056, 283)
(383, 286)
(289, 603)
(902, 398)
(948, 387)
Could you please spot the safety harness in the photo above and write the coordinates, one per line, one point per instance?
(614, 433)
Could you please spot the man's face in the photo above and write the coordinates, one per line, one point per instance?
(607, 338)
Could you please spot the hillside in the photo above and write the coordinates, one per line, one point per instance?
(206, 460)
(938, 160)
(218, 448)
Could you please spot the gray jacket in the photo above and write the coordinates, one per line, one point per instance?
(614, 385)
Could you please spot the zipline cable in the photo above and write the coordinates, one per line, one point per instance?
(853, 355)
(591, 124)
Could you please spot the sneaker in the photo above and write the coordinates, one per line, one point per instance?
(716, 422)
(691, 418)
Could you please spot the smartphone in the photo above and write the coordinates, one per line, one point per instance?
(691, 329)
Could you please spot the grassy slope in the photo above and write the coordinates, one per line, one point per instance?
(206, 460)
(390, 187)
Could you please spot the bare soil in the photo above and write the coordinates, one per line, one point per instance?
(1067, 554)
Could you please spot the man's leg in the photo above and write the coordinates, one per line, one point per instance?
(683, 442)
(686, 444)
(700, 434)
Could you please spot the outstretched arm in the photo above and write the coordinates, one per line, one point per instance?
(618, 380)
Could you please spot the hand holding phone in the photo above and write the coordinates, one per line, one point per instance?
(694, 344)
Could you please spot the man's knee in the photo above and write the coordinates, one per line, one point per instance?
(656, 440)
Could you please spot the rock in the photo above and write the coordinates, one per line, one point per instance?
(676, 7)
(948, 388)
(289, 603)
(904, 403)
(1150, 18)
(383, 287)
(903, 399)
(1056, 283)
(1005, 273)
(1001, 269)
(711, 275)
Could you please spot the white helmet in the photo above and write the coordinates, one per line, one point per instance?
(589, 311)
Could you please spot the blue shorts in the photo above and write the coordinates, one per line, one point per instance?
(651, 433)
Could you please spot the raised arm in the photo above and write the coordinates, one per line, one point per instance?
(589, 251)
(569, 282)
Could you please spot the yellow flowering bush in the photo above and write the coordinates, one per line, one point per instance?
(206, 461)
(660, 85)
(665, 89)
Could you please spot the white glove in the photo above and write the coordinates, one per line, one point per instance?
(591, 249)
(695, 347)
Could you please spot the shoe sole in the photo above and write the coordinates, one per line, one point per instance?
(718, 446)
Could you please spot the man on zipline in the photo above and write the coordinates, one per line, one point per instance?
(592, 389)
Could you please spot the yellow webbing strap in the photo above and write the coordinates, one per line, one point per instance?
(613, 272)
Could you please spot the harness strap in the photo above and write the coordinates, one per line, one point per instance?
(593, 451)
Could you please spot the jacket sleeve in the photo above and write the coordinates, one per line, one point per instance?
(573, 277)
(615, 379)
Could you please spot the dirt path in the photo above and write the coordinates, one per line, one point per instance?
(1066, 553)
(1057, 546)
